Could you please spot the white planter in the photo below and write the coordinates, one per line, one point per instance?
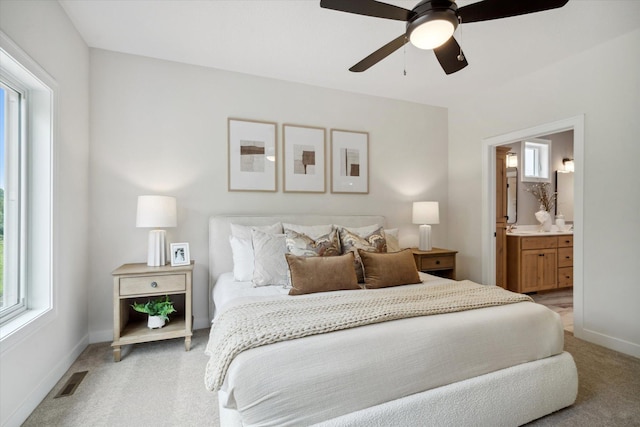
(155, 322)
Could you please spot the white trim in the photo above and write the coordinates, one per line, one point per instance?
(489, 204)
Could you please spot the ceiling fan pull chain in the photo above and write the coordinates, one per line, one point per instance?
(460, 55)
(404, 58)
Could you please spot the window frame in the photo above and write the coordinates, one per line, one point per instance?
(40, 270)
(14, 216)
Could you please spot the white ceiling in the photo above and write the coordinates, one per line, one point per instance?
(298, 41)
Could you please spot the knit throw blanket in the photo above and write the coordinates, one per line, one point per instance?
(254, 324)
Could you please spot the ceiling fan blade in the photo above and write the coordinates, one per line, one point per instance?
(380, 54)
(368, 8)
(496, 9)
(447, 55)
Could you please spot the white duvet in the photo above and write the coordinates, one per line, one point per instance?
(311, 379)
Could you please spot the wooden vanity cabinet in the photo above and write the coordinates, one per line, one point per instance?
(538, 263)
(565, 261)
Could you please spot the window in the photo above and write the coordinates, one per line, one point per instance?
(26, 189)
(12, 290)
(536, 160)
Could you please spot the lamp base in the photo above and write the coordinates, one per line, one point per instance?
(425, 238)
(157, 250)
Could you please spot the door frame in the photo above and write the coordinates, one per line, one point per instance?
(489, 145)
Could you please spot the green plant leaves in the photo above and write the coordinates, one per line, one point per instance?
(159, 307)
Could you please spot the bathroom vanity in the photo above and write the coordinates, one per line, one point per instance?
(539, 261)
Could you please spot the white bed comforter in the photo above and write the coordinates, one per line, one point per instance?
(319, 377)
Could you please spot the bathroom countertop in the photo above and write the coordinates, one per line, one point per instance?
(534, 230)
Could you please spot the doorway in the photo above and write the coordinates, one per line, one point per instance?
(489, 201)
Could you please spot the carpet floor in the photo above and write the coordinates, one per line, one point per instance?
(159, 384)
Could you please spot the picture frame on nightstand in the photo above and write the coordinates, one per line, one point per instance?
(180, 254)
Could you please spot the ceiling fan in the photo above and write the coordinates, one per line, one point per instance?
(431, 24)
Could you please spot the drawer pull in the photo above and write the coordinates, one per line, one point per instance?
(567, 257)
(154, 284)
(437, 262)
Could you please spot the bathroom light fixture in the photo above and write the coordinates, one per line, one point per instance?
(512, 160)
(156, 212)
(569, 166)
(425, 213)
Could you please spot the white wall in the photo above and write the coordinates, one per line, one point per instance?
(36, 358)
(161, 127)
(601, 83)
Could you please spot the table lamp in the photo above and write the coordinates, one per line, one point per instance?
(425, 213)
(156, 212)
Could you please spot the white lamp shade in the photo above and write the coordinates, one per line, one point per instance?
(426, 213)
(156, 212)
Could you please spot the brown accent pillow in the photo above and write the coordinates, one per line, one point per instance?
(321, 274)
(382, 270)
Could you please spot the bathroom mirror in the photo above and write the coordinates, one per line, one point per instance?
(536, 160)
(564, 190)
(512, 195)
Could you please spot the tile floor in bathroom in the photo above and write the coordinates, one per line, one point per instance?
(560, 301)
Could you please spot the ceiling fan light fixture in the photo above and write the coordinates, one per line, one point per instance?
(433, 24)
(432, 34)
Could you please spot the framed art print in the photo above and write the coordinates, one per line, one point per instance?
(304, 159)
(349, 161)
(252, 155)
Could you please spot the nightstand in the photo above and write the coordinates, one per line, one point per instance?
(139, 282)
(439, 262)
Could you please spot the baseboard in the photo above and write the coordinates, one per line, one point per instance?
(36, 396)
(613, 343)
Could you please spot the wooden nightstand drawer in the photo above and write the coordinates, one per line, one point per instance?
(439, 262)
(433, 263)
(565, 277)
(152, 284)
(565, 257)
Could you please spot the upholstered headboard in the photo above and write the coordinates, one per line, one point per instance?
(220, 257)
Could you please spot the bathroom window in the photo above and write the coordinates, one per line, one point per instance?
(536, 160)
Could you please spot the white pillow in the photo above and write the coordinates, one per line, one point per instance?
(270, 265)
(313, 231)
(242, 250)
(391, 235)
(244, 231)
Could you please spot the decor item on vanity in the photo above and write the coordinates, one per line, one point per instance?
(543, 194)
(544, 218)
(157, 309)
(425, 214)
(180, 254)
(156, 212)
(304, 159)
(560, 222)
(252, 155)
(349, 161)
(547, 199)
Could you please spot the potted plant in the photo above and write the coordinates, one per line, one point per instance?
(158, 311)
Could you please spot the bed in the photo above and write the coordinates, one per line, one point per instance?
(494, 365)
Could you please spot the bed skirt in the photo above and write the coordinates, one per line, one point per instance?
(508, 397)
